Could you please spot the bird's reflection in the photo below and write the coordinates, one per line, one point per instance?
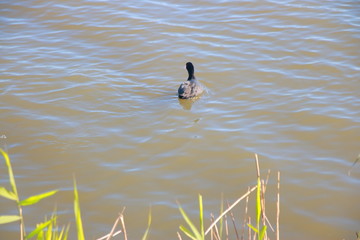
(187, 103)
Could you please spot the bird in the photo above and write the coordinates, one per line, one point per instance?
(190, 88)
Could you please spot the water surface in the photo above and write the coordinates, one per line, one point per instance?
(88, 88)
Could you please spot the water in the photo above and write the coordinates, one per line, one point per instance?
(88, 88)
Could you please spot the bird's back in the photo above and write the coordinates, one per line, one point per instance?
(190, 89)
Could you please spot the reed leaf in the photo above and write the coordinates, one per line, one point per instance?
(201, 217)
(253, 228)
(64, 233)
(262, 232)
(11, 174)
(187, 232)
(16, 195)
(221, 222)
(79, 226)
(7, 194)
(36, 198)
(49, 233)
(258, 203)
(148, 227)
(39, 228)
(195, 232)
(9, 218)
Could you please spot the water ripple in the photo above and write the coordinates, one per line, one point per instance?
(93, 83)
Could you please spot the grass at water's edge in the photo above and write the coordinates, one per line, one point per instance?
(215, 230)
(49, 229)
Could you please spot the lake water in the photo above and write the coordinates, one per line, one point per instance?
(88, 89)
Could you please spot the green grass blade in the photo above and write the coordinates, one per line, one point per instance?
(39, 228)
(9, 218)
(221, 222)
(7, 194)
(67, 232)
(64, 233)
(195, 231)
(36, 198)
(258, 203)
(40, 236)
(148, 227)
(79, 226)
(58, 234)
(49, 232)
(201, 217)
(253, 228)
(187, 232)
(262, 232)
(11, 174)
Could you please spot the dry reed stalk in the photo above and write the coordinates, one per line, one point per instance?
(245, 215)
(278, 208)
(112, 232)
(262, 194)
(22, 230)
(179, 236)
(231, 207)
(107, 235)
(212, 231)
(216, 232)
(265, 186)
(233, 221)
(123, 225)
(226, 228)
(262, 200)
(269, 224)
(257, 166)
(267, 180)
(265, 218)
(113, 229)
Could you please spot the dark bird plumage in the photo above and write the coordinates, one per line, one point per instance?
(191, 88)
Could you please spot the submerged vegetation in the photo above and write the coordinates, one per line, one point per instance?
(218, 229)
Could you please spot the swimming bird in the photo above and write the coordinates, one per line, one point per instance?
(191, 88)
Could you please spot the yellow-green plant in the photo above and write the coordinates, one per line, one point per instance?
(78, 220)
(148, 227)
(260, 232)
(194, 234)
(49, 230)
(14, 196)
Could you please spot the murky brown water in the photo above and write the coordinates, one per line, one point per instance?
(89, 88)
